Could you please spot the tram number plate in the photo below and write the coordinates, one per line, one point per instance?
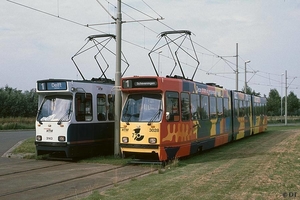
(153, 130)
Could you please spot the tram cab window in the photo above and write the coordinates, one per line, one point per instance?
(142, 108)
(101, 107)
(213, 107)
(195, 106)
(55, 108)
(172, 106)
(83, 107)
(204, 112)
(185, 107)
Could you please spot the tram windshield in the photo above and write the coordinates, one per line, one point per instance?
(142, 108)
(55, 108)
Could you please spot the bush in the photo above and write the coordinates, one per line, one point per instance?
(17, 123)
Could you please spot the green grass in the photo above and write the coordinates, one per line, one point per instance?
(26, 147)
(12, 123)
(94, 196)
(264, 166)
(260, 167)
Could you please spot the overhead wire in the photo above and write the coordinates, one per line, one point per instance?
(211, 53)
(228, 62)
(52, 15)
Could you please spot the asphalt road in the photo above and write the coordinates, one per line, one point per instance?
(10, 138)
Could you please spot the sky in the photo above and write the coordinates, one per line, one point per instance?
(38, 39)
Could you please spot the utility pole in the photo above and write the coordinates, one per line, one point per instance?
(286, 87)
(118, 80)
(281, 97)
(237, 68)
(245, 90)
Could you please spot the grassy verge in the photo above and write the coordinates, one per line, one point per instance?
(264, 166)
(281, 119)
(10, 123)
(26, 149)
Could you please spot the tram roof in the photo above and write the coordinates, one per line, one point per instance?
(93, 80)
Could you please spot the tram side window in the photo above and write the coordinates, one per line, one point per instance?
(101, 107)
(236, 107)
(172, 106)
(260, 109)
(212, 107)
(241, 108)
(185, 107)
(220, 107)
(264, 109)
(84, 111)
(195, 106)
(111, 107)
(247, 108)
(257, 108)
(226, 107)
(204, 112)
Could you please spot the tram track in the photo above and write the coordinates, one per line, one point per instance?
(57, 182)
(30, 170)
(109, 185)
(68, 180)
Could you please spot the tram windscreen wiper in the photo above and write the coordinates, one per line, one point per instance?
(128, 118)
(39, 120)
(155, 116)
(66, 114)
(126, 114)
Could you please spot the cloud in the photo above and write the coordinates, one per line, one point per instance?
(267, 33)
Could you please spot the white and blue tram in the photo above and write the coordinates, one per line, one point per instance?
(75, 117)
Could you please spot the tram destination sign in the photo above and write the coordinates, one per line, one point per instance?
(52, 85)
(140, 83)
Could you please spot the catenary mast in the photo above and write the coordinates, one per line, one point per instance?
(118, 79)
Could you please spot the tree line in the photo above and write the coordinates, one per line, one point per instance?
(276, 104)
(15, 103)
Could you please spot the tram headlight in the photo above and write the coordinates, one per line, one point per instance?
(152, 140)
(39, 138)
(125, 139)
(61, 138)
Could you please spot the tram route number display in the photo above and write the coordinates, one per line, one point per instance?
(42, 86)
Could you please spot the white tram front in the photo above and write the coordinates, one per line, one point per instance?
(75, 118)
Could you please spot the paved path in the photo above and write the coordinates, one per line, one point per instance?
(9, 139)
